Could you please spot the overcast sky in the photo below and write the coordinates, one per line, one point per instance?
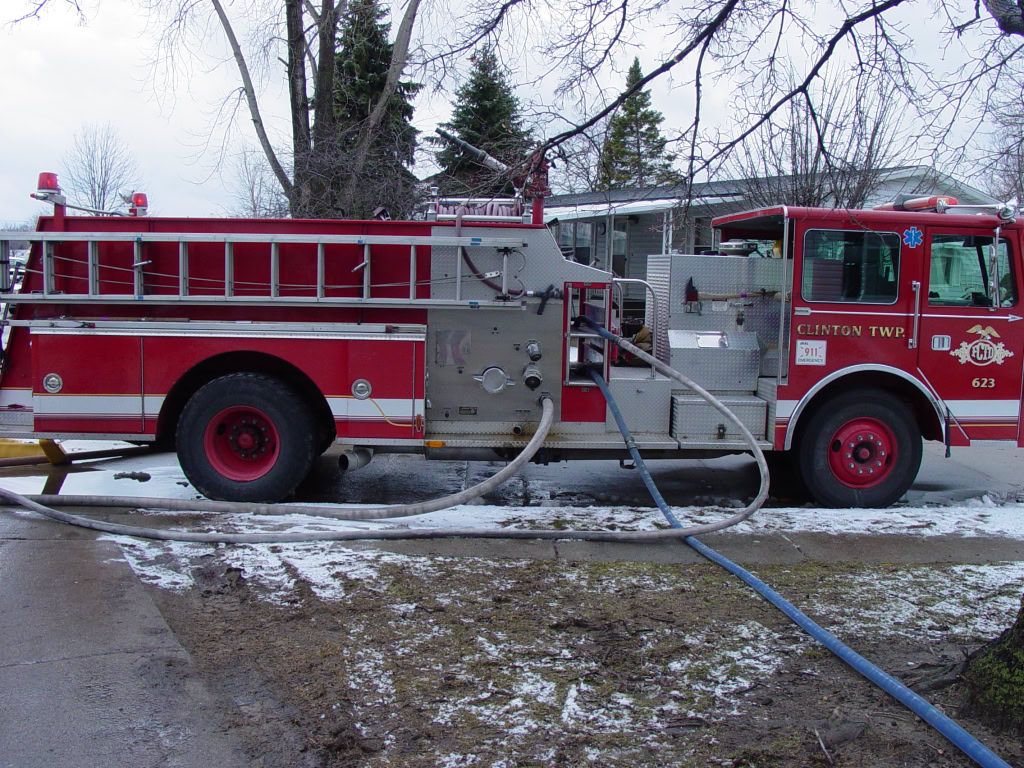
(57, 75)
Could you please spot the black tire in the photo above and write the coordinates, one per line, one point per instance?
(860, 449)
(246, 437)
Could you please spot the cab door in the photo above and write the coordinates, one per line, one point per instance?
(970, 350)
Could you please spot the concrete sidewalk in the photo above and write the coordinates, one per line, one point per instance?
(91, 674)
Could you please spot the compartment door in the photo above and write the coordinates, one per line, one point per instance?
(87, 383)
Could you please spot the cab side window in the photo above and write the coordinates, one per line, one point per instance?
(850, 266)
(959, 273)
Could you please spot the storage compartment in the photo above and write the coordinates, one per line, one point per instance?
(696, 420)
(645, 403)
(717, 360)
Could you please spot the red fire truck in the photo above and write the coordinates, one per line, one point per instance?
(840, 338)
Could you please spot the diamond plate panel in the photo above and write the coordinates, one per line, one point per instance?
(645, 403)
(659, 275)
(18, 418)
(718, 361)
(719, 275)
(768, 390)
(693, 419)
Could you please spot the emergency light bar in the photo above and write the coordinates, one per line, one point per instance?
(937, 203)
(944, 203)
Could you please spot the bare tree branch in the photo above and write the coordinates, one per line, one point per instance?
(251, 100)
(99, 166)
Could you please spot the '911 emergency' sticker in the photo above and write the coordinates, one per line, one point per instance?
(810, 351)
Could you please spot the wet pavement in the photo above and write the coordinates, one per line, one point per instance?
(91, 673)
(994, 469)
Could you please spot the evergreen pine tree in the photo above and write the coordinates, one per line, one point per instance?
(486, 115)
(364, 56)
(634, 152)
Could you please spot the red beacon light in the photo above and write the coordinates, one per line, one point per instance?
(139, 204)
(47, 183)
(48, 190)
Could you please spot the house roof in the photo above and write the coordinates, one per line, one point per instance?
(652, 199)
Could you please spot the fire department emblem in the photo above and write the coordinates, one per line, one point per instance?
(982, 351)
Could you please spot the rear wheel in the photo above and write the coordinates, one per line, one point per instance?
(860, 449)
(246, 437)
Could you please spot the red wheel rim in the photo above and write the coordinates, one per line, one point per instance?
(862, 453)
(241, 443)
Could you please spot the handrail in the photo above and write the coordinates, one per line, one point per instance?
(654, 296)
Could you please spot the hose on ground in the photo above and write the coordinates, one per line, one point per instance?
(960, 738)
(39, 503)
(718, 405)
(348, 513)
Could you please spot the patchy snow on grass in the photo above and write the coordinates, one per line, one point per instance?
(978, 517)
(164, 564)
(971, 602)
(730, 662)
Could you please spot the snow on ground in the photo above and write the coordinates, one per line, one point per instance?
(970, 602)
(974, 518)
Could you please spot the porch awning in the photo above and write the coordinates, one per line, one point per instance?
(631, 207)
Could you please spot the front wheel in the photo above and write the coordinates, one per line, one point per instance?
(860, 449)
(246, 437)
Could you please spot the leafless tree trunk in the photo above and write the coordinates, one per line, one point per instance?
(98, 167)
(306, 34)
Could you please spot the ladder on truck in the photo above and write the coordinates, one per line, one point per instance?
(179, 288)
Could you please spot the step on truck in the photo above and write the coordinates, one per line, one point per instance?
(841, 338)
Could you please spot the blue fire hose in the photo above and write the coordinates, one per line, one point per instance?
(960, 738)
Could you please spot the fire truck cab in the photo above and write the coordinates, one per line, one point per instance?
(840, 338)
(901, 327)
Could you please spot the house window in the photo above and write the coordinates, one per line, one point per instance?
(565, 235)
(845, 266)
(584, 241)
(620, 245)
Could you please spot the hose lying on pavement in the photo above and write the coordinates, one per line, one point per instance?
(38, 503)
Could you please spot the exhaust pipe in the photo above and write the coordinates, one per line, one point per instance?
(354, 459)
